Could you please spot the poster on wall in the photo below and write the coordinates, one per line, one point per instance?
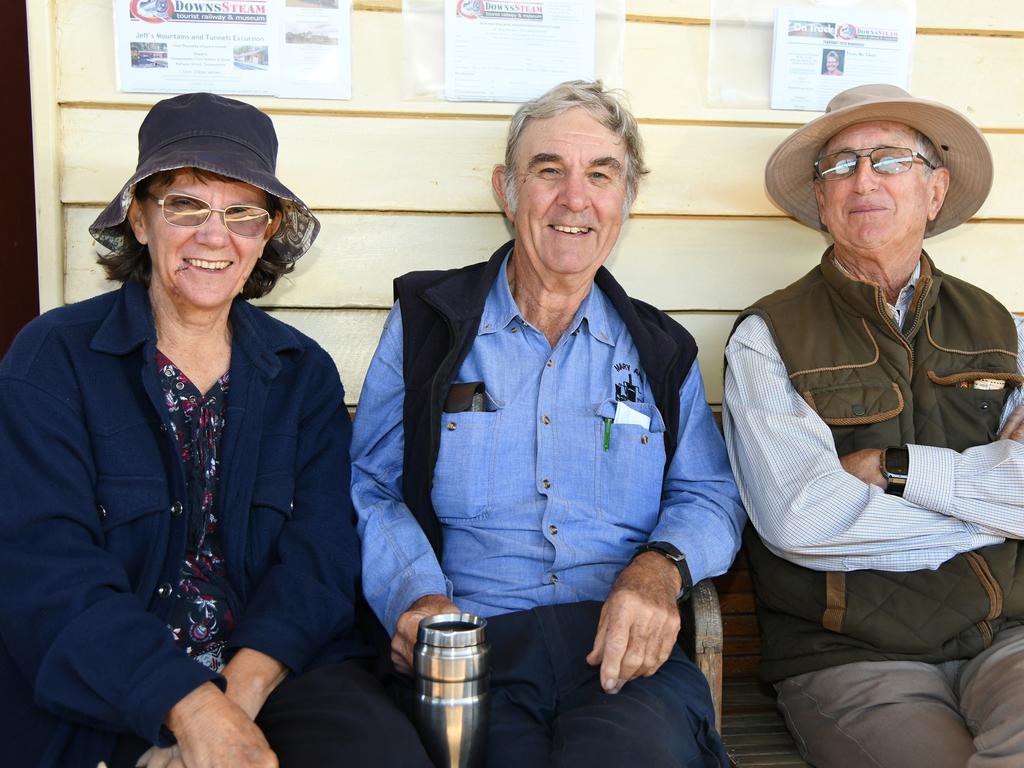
(818, 52)
(287, 48)
(495, 50)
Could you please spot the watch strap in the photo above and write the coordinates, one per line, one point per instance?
(678, 559)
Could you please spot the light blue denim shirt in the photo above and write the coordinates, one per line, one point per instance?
(543, 499)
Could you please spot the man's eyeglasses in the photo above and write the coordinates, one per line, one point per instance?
(885, 160)
(182, 210)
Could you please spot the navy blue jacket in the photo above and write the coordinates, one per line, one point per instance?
(88, 483)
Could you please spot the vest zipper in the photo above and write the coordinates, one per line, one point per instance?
(891, 321)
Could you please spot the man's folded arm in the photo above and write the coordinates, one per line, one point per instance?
(805, 506)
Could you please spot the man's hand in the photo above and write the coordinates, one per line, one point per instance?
(214, 732)
(1014, 427)
(865, 465)
(404, 641)
(639, 622)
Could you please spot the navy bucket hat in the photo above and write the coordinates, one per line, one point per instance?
(225, 136)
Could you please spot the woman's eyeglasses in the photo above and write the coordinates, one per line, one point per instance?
(181, 210)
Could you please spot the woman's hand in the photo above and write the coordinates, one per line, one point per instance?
(252, 676)
(215, 732)
(158, 757)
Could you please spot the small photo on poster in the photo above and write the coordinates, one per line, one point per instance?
(147, 55)
(252, 57)
(832, 62)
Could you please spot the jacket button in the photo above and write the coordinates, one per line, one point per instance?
(102, 510)
(176, 509)
(984, 405)
(164, 590)
(163, 427)
(859, 410)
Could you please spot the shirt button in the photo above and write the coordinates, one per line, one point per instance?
(551, 363)
(164, 590)
(176, 509)
(102, 510)
(546, 420)
(451, 426)
(643, 439)
(553, 529)
(546, 483)
(553, 579)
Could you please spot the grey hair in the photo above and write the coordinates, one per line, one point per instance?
(604, 105)
(926, 148)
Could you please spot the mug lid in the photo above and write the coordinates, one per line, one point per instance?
(452, 630)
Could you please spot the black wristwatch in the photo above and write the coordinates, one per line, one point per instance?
(895, 466)
(678, 559)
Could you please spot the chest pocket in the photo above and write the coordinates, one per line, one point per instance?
(135, 515)
(855, 403)
(974, 399)
(124, 500)
(464, 472)
(631, 464)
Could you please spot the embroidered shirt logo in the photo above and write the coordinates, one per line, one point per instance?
(629, 383)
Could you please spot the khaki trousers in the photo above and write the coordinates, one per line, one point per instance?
(903, 714)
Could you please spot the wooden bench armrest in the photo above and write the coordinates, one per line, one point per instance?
(701, 636)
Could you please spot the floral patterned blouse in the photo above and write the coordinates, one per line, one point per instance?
(204, 605)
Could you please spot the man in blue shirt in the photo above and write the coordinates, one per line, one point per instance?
(534, 446)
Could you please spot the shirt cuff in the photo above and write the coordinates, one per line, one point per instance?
(931, 478)
(411, 590)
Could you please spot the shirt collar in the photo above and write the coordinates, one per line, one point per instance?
(500, 309)
(129, 325)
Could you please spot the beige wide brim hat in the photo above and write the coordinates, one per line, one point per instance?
(789, 174)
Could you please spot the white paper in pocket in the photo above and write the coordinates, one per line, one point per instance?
(626, 415)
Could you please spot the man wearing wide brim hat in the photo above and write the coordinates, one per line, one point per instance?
(874, 418)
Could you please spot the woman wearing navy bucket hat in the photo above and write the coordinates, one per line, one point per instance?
(176, 546)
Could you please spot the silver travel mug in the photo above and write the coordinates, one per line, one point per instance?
(452, 680)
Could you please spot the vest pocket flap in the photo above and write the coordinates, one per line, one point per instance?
(987, 380)
(856, 404)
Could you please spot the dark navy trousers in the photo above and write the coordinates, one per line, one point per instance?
(548, 707)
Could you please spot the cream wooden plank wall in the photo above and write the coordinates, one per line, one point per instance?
(404, 184)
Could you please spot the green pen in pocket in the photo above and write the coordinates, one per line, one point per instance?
(607, 433)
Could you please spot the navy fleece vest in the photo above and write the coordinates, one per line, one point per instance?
(440, 317)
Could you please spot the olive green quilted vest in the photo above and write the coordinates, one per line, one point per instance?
(876, 386)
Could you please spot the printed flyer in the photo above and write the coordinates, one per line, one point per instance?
(287, 48)
(496, 50)
(819, 52)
